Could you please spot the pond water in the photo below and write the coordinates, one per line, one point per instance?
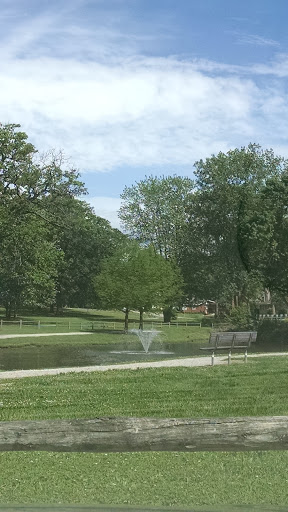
(36, 357)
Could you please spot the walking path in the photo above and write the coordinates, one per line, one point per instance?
(168, 363)
(38, 335)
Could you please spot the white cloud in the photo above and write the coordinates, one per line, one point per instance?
(256, 40)
(107, 106)
(106, 207)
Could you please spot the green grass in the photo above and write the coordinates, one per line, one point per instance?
(257, 388)
(167, 479)
(105, 327)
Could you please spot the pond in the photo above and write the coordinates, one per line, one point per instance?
(36, 357)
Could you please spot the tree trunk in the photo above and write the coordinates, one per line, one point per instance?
(167, 314)
(141, 311)
(126, 320)
(8, 309)
(146, 434)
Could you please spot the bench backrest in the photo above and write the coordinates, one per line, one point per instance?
(244, 338)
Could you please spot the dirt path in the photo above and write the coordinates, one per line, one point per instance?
(168, 363)
(38, 335)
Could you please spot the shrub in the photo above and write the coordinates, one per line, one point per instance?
(273, 331)
(240, 318)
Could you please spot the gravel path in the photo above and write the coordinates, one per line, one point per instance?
(38, 335)
(168, 363)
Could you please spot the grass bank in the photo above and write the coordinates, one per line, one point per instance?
(104, 327)
(167, 479)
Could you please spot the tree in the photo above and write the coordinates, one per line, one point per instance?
(27, 175)
(31, 190)
(263, 232)
(85, 240)
(227, 186)
(154, 212)
(137, 278)
(28, 262)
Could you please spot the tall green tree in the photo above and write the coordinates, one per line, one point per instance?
(138, 278)
(28, 262)
(228, 185)
(31, 188)
(26, 175)
(154, 211)
(263, 232)
(85, 240)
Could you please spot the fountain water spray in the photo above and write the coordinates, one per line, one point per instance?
(146, 337)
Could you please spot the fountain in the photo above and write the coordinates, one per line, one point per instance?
(146, 337)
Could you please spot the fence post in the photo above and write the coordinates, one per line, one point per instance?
(20, 324)
(39, 325)
(69, 326)
(1, 323)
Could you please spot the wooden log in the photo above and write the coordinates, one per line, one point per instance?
(144, 508)
(146, 434)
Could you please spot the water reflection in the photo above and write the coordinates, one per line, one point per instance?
(36, 357)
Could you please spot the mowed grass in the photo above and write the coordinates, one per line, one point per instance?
(104, 327)
(164, 479)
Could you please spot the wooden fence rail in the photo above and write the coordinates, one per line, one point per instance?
(146, 434)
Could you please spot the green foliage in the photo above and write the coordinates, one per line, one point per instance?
(272, 331)
(138, 278)
(264, 233)
(240, 317)
(85, 240)
(154, 212)
(51, 243)
(226, 246)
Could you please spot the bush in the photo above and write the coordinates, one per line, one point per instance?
(206, 321)
(240, 318)
(273, 331)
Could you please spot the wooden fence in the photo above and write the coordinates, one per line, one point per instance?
(95, 325)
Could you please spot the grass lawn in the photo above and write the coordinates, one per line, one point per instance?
(167, 479)
(106, 327)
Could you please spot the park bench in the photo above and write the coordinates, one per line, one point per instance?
(230, 341)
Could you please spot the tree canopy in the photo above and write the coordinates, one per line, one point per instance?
(230, 215)
(51, 242)
(154, 212)
(139, 279)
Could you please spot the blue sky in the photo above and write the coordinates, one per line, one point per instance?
(129, 88)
